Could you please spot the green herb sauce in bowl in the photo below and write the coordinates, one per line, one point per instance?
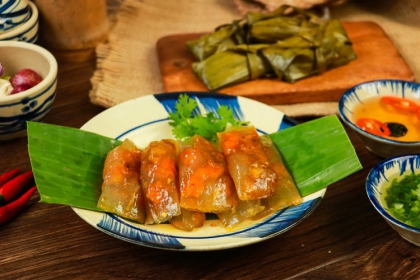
(403, 199)
(393, 188)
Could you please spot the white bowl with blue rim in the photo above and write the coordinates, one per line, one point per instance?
(26, 31)
(380, 178)
(13, 13)
(34, 103)
(356, 95)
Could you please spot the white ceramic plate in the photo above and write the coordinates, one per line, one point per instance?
(146, 119)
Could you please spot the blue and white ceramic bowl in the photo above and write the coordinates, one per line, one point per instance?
(380, 177)
(32, 104)
(26, 31)
(356, 95)
(145, 119)
(13, 13)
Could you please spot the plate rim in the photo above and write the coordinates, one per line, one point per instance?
(316, 197)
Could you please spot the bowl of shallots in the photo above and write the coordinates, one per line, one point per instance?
(28, 81)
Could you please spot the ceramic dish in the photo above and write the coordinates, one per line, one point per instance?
(13, 13)
(32, 104)
(380, 178)
(381, 146)
(27, 31)
(144, 120)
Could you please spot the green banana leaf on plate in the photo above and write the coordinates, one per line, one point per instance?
(67, 162)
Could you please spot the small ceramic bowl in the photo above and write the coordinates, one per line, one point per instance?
(380, 177)
(26, 31)
(13, 13)
(358, 94)
(34, 103)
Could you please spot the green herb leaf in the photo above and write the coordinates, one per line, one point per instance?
(184, 109)
(226, 114)
(186, 123)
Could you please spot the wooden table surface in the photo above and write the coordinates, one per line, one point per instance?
(344, 238)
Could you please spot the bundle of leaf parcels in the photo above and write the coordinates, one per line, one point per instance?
(290, 46)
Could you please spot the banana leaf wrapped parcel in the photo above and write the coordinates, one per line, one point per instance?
(224, 37)
(234, 65)
(290, 46)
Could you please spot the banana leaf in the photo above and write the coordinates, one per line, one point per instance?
(297, 45)
(291, 64)
(224, 37)
(222, 69)
(317, 153)
(234, 65)
(279, 28)
(67, 163)
(294, 42)
(336, 47)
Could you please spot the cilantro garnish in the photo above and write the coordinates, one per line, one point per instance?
(185, 123)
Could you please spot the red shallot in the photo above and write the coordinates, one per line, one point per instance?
(25, 79)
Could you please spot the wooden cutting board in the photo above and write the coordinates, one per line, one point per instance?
(377, 58)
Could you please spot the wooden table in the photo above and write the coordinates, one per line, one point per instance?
(345, 238)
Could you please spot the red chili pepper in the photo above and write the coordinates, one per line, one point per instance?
(5, 177)
(401, 103)
(373, 126)
(11, 188)
(9, 210)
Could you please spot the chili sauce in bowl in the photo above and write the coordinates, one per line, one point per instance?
(389, 116)
(385, 114)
